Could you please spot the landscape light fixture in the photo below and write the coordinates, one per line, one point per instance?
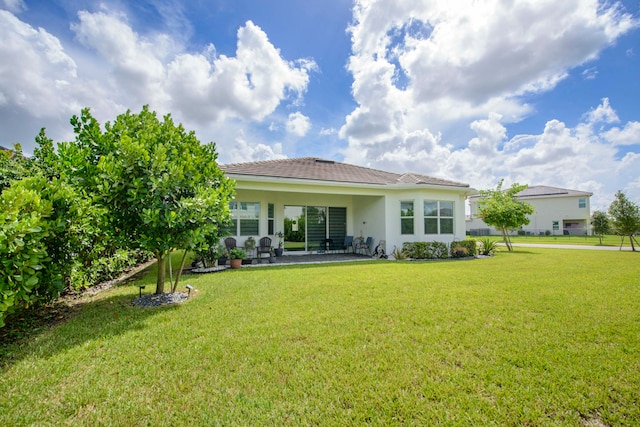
(141, 288)
(189, 287)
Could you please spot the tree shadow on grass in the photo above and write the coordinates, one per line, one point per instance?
(65, 324)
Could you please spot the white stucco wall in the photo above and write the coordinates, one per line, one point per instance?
(393, 201)
(563, 209)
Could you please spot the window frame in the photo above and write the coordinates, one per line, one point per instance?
(406, 218)
(436, 217)
(244, 226)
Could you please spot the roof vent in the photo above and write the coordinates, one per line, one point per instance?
(329, 162)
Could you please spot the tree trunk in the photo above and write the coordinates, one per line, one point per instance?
(506, 239)
(179, 272)
(633, 248)
(161, 272)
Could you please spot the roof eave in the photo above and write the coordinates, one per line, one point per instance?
(307, 181)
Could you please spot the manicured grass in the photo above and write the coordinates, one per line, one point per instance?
(609, 240)
(534, 337)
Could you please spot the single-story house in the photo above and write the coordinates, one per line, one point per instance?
(558, 211)
(311, 200)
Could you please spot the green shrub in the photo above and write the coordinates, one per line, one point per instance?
(415, 250)
(398, 254)
(425, 250)
(437, 250)
(488, 246)
(237, 253)
(26, 273)
(463, 248)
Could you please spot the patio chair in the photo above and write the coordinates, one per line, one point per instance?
(348, 244)
(229, 243)
(367, 245)
(264, 247)
(328, 245)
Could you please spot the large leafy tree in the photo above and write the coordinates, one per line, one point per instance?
(625, 217)
(163, 190)
(600, 224)
(502, 209)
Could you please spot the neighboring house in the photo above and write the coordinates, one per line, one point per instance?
(311, 199)
(558, 211)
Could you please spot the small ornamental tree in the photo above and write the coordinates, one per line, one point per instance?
(501, 209)
(162, 188)
(600, 224)
(625, 217)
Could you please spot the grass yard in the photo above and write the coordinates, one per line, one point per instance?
(534, 337)
(608, 240)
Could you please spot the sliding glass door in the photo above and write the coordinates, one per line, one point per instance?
(307, 227)
(295, 236)
(316, 227)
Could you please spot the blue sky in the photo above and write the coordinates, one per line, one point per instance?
(542, 93)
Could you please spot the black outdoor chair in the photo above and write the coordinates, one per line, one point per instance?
(229, 243)
(328, 245)
(264, 247)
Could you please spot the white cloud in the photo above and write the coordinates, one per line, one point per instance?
(14, 6)
(628, 135)
(250, 152)
(123, 68)
(435, 66)
(39, 83)
(436, 83)
(248, 86)
(328, 132)
(590, 73)
(603, 113)
(298, 124)
(138, 71)
(579, 158)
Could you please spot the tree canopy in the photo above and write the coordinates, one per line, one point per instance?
(162, 188)
(625, 217)
(501, 209)
(600, 224)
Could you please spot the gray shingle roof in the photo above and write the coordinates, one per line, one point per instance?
(542, 191)
(546, 191)
(312, 168)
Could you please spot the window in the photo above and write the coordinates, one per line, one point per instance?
(232, 227)
(249, 214)
(246, 217)
(582, 203)
(406, 217)
(438, 217)
(271, 219)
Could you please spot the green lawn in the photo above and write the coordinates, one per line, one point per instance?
(534, 337)
(609, 240)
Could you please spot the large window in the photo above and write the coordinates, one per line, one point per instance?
(582, 203)
(438, 217)
(406, 217)
(245, 219)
